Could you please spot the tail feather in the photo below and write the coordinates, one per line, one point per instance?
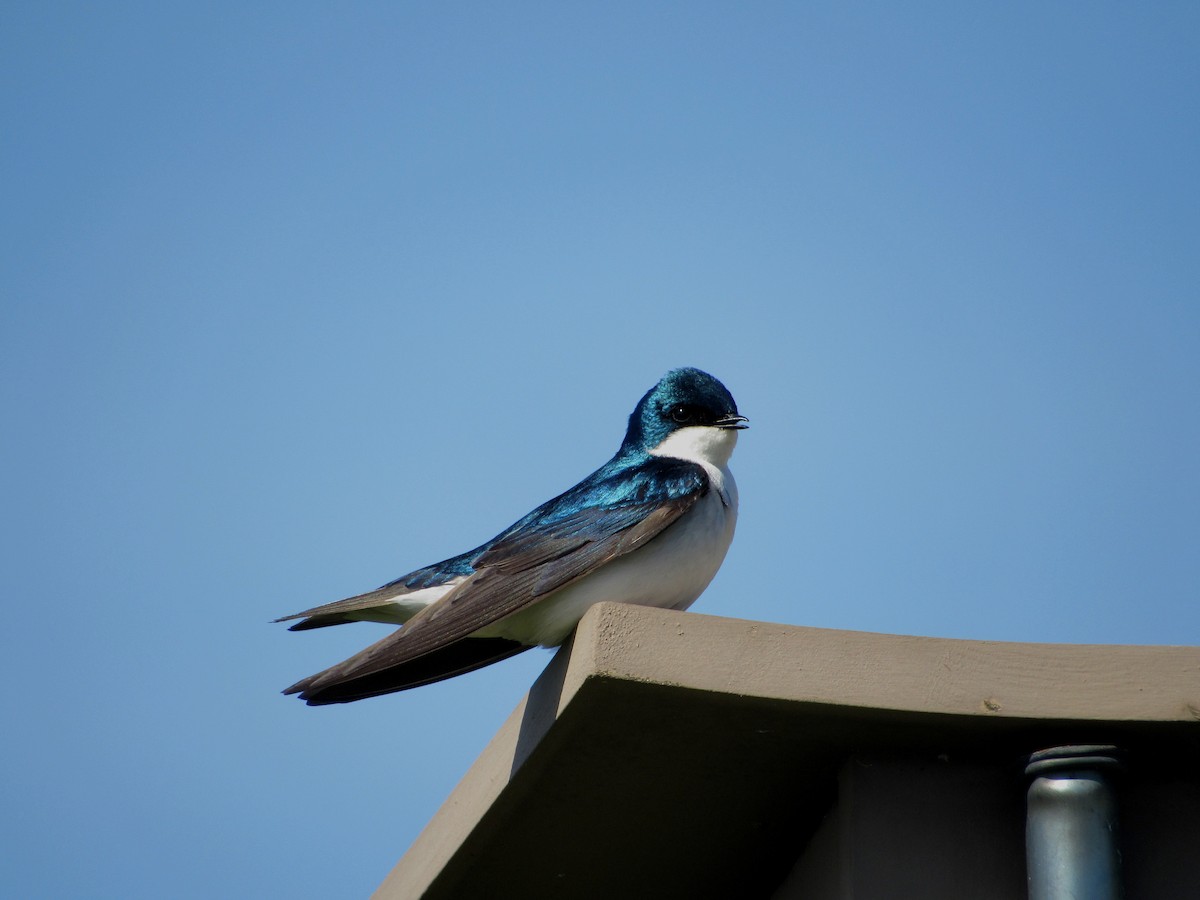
(392, 604)
(465, 655)
(317, 622)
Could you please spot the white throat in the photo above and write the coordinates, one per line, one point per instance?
(703, 444)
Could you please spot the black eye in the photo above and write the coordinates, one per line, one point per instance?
(681, 413)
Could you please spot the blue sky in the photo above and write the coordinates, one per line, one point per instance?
(298, 297)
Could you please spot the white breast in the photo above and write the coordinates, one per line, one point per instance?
(670, 572)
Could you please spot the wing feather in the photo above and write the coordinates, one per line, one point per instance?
(552, 547)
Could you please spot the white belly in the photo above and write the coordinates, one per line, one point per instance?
(670, 572)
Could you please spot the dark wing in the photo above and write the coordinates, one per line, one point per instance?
(456, 658)
(554, 546)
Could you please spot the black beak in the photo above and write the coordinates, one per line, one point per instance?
(731, 422)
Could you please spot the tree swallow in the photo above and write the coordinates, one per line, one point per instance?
(651, 526)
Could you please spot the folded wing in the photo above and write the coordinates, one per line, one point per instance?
(554, 546)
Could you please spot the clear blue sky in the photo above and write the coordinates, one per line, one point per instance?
(298, 297)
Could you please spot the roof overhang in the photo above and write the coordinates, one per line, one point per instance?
(673, 754)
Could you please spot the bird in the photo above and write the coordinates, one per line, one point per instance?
(651, 527)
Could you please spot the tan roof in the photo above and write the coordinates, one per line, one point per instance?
(679, 752)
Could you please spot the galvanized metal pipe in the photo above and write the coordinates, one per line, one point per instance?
(1071, 850)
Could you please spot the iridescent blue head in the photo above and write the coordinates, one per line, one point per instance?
(682, 399)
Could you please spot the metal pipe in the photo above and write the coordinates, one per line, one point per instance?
(1071, 848)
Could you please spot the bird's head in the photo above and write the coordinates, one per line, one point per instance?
(689, 415)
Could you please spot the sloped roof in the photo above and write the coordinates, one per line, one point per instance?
(672, 754)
